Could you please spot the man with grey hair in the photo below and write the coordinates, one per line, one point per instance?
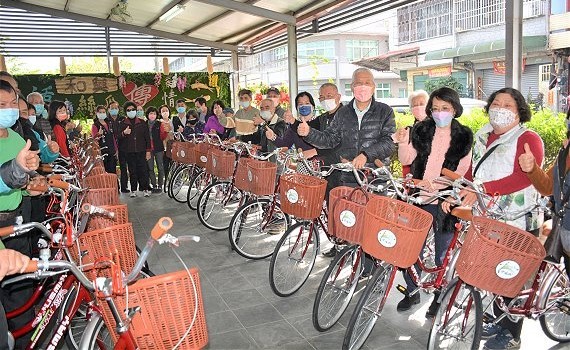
(42, 124)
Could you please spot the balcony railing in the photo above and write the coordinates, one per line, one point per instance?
(470, 15)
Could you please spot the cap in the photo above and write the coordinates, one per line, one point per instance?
(273, 89)
(228, 110)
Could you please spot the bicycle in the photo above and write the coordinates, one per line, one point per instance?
(500, 258)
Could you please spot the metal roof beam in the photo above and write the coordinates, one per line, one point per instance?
(119, 25)
(216, 18)
(252, 10)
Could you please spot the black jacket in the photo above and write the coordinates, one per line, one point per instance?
(139, 138)
(154, 132)
(328, 156)
(108, 137)
(374, 137)
(24, 127)
(116, 127)
(278, 128)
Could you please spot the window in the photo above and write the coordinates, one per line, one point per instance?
(347, 90)
(471, 14)
(559, 6)
(402, 93)
(323, 48)
(359, 49)
(383, 90)
(424, 20)
(544, 71)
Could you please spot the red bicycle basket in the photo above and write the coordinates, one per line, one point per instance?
(302, 195)
(261, 176)
(201, 154)
(395, 231)
(97, 222)
(346, 215)
(106, 180)
(167, 306)
(183, 152)
(97, 170)
(102, 196)
(498, 257)
(221, 164)
(241, 180)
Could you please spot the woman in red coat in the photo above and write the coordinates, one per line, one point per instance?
(57, 116)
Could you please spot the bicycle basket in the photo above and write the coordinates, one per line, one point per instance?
(498, 257)
(201, 154)
(97, 222)
(97, 170)
(101, 181)
(102, 196)
(167, 309)
(346, 215)
(302, 195)
(241, 180)
(261, 176)
(395, 230)
(220, 164)
(183, 152)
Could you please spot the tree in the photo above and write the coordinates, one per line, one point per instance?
(94, 65)
(450, 82)
(15, 66)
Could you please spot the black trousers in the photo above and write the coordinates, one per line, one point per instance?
(110, 163)
(138, 171)
(124, 172)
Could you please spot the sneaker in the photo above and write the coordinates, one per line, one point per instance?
(490, 330)
(146, 193)
(432, 310)
(407, 303)
(133, 194)
(331, 253)
(503, 341)
(156, 190)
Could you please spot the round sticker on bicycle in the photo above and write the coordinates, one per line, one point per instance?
(249, 175)
(203, 159)
(347, 218)
(181, 153)
(214, 162)
(292, 196)
(507, 269)
(387, 238)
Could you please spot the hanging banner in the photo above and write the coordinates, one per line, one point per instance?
(83, 92)
(500, 68)
(439, 72)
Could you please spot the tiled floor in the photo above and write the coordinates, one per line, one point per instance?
(243, 313)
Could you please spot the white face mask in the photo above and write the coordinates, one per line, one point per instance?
(329, 105)
(164, 114)
(501, 117)
(266, 115)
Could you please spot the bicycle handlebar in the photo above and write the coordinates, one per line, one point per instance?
(92, 209)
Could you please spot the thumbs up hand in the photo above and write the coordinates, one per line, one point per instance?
(303, 128)
(127, 131)
(52, 145)
(527, 160)
(26, 159)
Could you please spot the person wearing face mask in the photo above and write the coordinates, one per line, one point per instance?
(193, 124)
(49, 149)
(102, 129)
(57, 116)
(168, 127)
(439, 141)
(305, 105)
(158, 133)
(496, 152)
(213, 124)
(202, 110)
(271, 128)
(42, 124)
(115, 121)
(134, 132)
(274, 95)
(179, 121)
(246, 118)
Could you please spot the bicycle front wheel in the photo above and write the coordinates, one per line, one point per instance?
(368, 309)
(96, 336)
(458, 323)
(337, 287)
(555, 321)
(179, 185)
(256, 228)
(293, 258)
(197, 185)
(218, 204)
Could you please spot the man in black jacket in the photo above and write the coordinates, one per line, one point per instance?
(361, 131)
(271, 127)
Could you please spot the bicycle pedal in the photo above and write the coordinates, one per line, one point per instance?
(488, 318)
(564, 306)
(403, 290)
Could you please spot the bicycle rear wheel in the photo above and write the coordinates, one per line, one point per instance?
(368, 309)
(555, 322)
(337, 287)
(180, 183)
(197, 185)
(458, 323)
(293, 258)
(256, 228)
(218, 204)
(96, 336)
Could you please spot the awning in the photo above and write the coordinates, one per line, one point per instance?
(382, 62)
(530, 43)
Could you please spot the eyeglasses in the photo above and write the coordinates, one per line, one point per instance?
(130, 109)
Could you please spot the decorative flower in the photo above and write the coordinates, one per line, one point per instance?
(69, 106)
(122, 81)
(181, 84)
(157, 79)
(257, 98)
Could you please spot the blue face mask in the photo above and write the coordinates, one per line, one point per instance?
(442, 119)
(39, 108)
(140, 114)
(180, 109)
(32, 119)
(44, 114)
(131, 114)
(305, 110)
(113, 111)
(8, 117)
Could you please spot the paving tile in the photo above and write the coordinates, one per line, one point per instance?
(327, 341)
(304, 325)
(243, 298)
(233, 340)
(258, 314)
(222, 322)
(294, 306)
(275, 335)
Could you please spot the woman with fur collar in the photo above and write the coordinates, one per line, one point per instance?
(439, 141)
